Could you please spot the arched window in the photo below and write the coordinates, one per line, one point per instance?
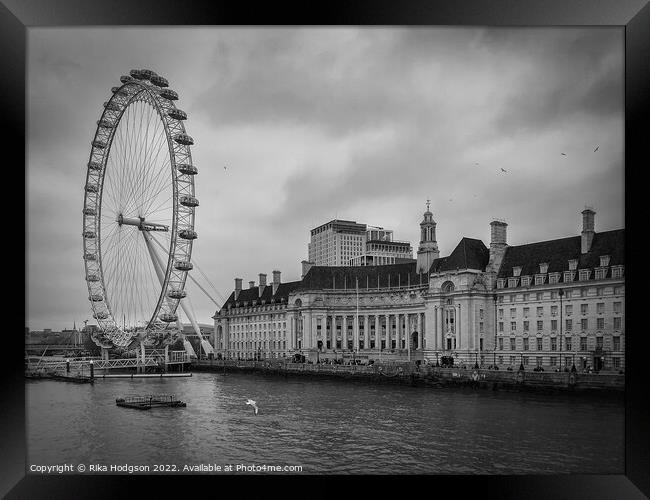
(447, 287)
(298, 303)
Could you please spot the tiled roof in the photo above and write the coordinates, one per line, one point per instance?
(248, 295)
(470, 253)
(341, 277)
(557, 254)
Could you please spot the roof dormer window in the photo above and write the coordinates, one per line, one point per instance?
(543, 268)
(604, 260)
(573, 264)
(583, 274)
(512, 282)
(525, 281)
(516, 271)
(501, 283)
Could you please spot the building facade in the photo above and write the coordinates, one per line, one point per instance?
(348, 243)
(551, 304)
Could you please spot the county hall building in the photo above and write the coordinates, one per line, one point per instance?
(552, 304)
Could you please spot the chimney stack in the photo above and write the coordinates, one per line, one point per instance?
(262, 283)
(238, 282)
(251, 284)
(588, 218)
(498, 244)
(276, 281)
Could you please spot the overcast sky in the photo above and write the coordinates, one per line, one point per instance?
(321, 123)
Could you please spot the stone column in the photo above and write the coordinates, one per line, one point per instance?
(408, 335)
(366, 331)
(420, 336)
(344, 332)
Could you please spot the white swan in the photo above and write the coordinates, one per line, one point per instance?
(253, 404)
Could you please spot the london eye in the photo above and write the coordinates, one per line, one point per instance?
(138, 213)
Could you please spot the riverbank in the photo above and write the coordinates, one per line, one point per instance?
(427, 375)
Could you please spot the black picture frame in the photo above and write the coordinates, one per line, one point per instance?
(17, 16)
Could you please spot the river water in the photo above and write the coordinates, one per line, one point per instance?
(325, 426)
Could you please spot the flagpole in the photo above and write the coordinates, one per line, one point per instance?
(356, 344)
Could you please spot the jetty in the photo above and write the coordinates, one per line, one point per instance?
(148, 401)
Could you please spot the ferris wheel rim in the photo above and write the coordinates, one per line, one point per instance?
(132, 91)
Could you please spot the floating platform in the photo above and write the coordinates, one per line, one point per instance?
(149, 401)
(144, 375)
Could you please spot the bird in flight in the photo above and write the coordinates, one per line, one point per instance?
(596, 149)
(224, 168)
(564, 154)
(253, 404)
(503, 170)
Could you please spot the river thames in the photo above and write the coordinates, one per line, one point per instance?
(325, 426)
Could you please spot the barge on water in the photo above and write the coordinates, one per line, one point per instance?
(148, 401)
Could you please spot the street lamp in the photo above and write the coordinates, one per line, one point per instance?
(561, 292)
(495, 330)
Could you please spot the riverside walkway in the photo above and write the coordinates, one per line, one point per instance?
(414, 374)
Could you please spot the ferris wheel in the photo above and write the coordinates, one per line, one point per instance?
(138, 214)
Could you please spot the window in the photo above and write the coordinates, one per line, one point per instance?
(538, 360)
(617, 343)
(500, 313)
(573, 264)
(617, 362)
(512, 297)
(583, 324)
(568, 310)
(500, 299)
(501, 283)
(480, 327)
(539, 279)
(583, 292)
(600, 323)
(568, 294)
(516, 271)
(554, 294)
(500, 358)
(539, 344)
(500, 326)
(553, 310)
(554, 278)
(526, 297)
(617, 272)
(568, 276)
(526, 360)
(512, 282)
(599, 291)
(568, 343)
(604, 260)
(569, 325)
(513, 326)
(512, 345)
(600, 274)
(526, 311)
(480, 313)
(543, 267)
(599, 343)
(539, 296)
(600, 307)
(617, 307)
(525, 281)
(525, 344)
(540, 311)
(553, 344)
(584, 309)
(553, 325)
(513, 313)
(553, 361)
(501, 343)
(583, 343)
(513, 359)
(540, 326)
(583, 274)
(617, 323)
(526, 326)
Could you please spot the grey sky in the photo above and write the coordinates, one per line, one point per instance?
(317, 123)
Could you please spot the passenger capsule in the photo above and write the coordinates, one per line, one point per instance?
(91, 188)
(147, 74)
(137, 74)
(188, 234)
(126, 78)
(94, 165)
(90, 211)
(92, 277)
(112, 106)
(105, 124)
(96, 298)
(100, 315)
(169, 94)
(119, 91)
(187, 169)
(183, 265)
(90, 256)
(168, 317)
(189, 201)
(178, 114)
(177, 294)
(99, 144)
(184, 139)
(89, 234)
(159, 81)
